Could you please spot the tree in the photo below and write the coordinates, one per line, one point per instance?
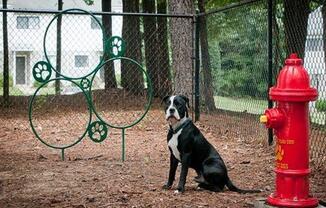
(181, 42)
(164, 83)
(109, 73)
(131, 77)
(206, 63)
(58, 55)
(295, 24)
(5, 56)
(150, 40)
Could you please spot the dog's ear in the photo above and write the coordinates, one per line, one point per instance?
(165, 99)
(185, 99)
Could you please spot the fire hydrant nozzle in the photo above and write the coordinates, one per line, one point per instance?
(263, 119)
(273, 118)
(290, 121)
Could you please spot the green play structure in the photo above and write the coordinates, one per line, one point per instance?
(97, 127)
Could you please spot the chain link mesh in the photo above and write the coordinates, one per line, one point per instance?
(237, 46)
(119, 90)
(238, 53)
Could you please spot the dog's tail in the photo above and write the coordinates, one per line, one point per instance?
(232, 187)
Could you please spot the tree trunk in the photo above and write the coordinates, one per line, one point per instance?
(151, 49)
(295, 24)
(131, 76)
(109, 73)
(5, 56)
(182, 45)
(206, 62)
(58, 55)
(164, 79)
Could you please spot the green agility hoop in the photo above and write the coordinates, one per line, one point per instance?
(96, 128)
(47, 31)
(30, 116)
(149, 97)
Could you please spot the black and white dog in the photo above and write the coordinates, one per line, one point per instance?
(189, 147)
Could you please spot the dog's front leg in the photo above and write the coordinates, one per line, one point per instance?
(173, 168)
(185, 160)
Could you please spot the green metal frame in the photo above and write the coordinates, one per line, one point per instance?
(46, 33)
(98, 129)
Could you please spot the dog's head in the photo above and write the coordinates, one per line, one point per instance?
(176, 108)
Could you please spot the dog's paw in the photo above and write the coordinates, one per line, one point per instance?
(177, 192)
(180, 190)
(166, 186)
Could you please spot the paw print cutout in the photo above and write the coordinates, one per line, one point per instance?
(115, 47)
(85, 83)
(279, 152)
(97, 131)
(42, 71)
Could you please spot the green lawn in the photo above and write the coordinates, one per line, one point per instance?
(241, 104)
(12, 91)
(254, 106)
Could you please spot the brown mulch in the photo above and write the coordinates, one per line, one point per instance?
(33, 175)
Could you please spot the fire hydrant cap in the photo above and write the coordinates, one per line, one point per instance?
(293, 60)
(293, 83)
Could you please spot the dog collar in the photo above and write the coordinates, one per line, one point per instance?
(184, 124)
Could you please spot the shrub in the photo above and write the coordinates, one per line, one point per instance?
(10, 80)
(321, 105)
(37, 84)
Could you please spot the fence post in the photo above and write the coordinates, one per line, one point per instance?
(197, 68)
(5, 56)
(270, 60)
(58, 55)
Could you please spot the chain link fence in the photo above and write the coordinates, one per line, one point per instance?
(236, 57)
(76, 49)
(238, 46)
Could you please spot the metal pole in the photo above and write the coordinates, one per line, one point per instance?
(63, 154)
(197, 66)
(270, 60)
(123, 145)
(44, 11)
(5, 56)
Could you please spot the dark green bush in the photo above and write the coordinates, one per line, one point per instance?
(321, 105)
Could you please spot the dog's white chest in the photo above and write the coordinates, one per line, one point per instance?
(173, 144)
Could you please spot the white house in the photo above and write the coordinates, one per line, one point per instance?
(314, 60)
(81, 39)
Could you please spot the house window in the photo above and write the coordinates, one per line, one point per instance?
(81, 61)
(25, 22)
(94, 24)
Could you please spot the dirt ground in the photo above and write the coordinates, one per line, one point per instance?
(33, 175)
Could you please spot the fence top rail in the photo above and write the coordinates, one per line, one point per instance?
(230, 6)
(98, 13)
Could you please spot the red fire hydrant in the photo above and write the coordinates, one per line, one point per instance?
(290, 121)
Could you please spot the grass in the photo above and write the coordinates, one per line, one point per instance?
(248, 105)
(258, 107)
(13, 91)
